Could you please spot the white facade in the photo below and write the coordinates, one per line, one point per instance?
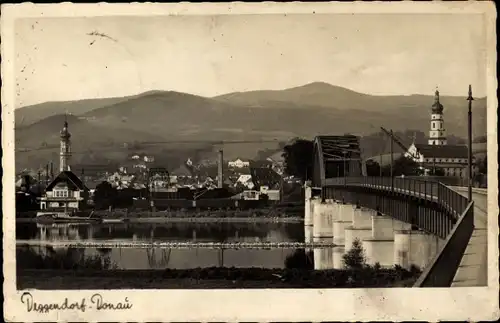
(437, 134)
(238, 163)
(246, 180)
(414, 154)
(451, 166)
(62, 197)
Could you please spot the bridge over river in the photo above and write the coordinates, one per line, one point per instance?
(399, 221)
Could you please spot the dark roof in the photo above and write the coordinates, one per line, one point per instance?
(182, 170)
(442, 151)
(265, 177)
(68, 177)
(437, 107)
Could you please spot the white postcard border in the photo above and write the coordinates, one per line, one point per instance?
(470, 304)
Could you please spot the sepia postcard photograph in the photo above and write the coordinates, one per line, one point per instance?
(258, 162)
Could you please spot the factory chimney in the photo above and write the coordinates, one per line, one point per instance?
(220, 173)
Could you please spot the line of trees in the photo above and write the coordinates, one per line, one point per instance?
(401, 166)
(106, 196)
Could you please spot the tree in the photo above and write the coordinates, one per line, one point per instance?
(402, 166)
(372, 168)
(483, 165)
(298, 259)
(104, 195)
(436, 171)
(355, 258)
(299, 158)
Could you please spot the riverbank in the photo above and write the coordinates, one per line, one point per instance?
(214, 278)
(283, 214)
(167, 219)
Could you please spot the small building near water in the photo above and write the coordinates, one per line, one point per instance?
(66, 192)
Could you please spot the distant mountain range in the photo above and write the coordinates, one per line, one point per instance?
(305, 111)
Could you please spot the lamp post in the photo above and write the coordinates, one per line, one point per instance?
(392, 160)
(345, 178)
(469, 161)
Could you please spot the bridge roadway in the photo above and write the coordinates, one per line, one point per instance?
(473, 269)
(421, 190)
(173, 245)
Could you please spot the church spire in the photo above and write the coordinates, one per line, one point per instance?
(437, 132)
(65, 147)
(437, 107)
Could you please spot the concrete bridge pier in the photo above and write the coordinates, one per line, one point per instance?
(415, 248)
(323, 258)
(380, 246)
(338, 260)
(308, 206)
(323, 232)
(345, 217)
(323, 221)
(361, 227)
(90, 233)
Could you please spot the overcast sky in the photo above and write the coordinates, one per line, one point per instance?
(57, 60)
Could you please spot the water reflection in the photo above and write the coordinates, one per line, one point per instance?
(38, 257)
(203, 232)
(158, 258)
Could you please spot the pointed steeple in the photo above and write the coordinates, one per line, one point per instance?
(64, 132)
(437, 107)
(470, 98)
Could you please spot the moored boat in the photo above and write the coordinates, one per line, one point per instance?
(65, 217)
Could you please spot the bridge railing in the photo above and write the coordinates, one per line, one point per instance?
(441, 271)
(416, 187)
(451, 203)
(432, 190)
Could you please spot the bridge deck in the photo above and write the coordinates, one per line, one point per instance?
(473, 268)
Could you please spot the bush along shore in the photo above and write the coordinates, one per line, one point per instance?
(218, 277)
(62, 273)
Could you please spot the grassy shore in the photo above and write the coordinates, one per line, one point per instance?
(285, 214)
(214, 278)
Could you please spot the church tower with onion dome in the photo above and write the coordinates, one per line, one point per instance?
(437, 134)
(65, 151)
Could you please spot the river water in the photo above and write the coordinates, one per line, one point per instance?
(43, 257)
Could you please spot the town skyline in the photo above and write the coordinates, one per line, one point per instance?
(133, 55)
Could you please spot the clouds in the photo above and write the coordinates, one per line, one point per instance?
(57, 59)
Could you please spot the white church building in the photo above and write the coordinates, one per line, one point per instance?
(437, 154)
(66, 192)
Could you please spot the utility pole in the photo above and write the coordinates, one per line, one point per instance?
(381, 151)
(380, 165)
(392, 159)
(469, 161)
(345, 170)
(46, 175)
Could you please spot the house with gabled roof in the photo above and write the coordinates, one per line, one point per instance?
(452, 159)
(66, 192)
